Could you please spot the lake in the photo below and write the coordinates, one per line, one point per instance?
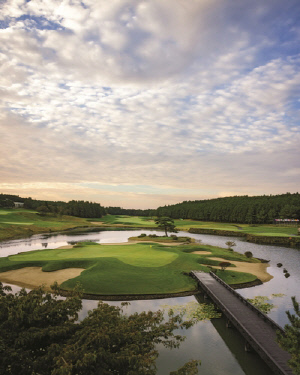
(221, 350)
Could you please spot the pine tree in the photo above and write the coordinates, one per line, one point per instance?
(167, 224)
(290, 341)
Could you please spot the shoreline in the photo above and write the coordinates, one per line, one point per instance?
(293, 242)
(139, 297)
(33, 277)
(142, 297)
(27, 278)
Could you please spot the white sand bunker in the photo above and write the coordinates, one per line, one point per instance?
(32, 277)
(257, 269)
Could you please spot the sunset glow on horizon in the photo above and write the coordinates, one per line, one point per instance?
(139, 104)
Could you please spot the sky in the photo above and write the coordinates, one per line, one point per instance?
(142, 103)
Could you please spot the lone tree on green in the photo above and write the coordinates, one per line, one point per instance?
(167, 224)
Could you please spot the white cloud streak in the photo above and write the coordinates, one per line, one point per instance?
(196, 95)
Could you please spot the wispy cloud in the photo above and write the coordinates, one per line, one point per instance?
(201, 97)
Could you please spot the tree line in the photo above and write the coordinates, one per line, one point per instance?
(130, 211)
(7, 200)
(73, 208)
(238, 209)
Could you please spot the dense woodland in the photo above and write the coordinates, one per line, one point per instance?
(72, 208)
(129, 211)
(239, 209)
(7, 200)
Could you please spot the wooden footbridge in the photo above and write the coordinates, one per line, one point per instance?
(257, 328)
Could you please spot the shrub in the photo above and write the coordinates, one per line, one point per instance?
(142, 235)
(230, 244)
(248, 254)
(224, 265)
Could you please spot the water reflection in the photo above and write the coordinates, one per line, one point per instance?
(290, 259)
(206, 340)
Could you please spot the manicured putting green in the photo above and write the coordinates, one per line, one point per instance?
(141, 269)
(141, 255)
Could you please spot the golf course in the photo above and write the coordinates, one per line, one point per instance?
(186, 224)
(143, 266)
(148, 268)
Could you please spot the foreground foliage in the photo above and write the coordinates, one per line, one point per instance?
(291, 340)
(195, 311)
(260, 302)
(40, 334)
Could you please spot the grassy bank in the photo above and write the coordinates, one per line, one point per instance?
(264, 234)
(123, 220)
(185, 225)
(143, 268)
(163, 239)
(19, 223)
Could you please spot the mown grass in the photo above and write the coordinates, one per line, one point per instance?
(259, 229)
(143, 268)
(135, 221)
(16, 223)
(185, 225)
(163, 239)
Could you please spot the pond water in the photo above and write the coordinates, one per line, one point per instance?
(221, 350)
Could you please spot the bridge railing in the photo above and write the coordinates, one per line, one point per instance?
(247, 303)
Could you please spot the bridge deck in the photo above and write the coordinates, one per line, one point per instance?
(258, 330)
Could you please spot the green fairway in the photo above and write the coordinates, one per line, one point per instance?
(18, 223)
(185, 225)
(22, 222)
(258, 229)
(141, 255)
(143, 268)
(135, 221)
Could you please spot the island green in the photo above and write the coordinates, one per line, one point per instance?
(139, 269)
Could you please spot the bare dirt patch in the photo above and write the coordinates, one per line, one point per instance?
(257, 269)
(32, 277)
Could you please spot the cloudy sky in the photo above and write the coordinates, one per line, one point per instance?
(141, 103)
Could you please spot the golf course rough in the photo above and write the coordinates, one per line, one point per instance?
(131, 269)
